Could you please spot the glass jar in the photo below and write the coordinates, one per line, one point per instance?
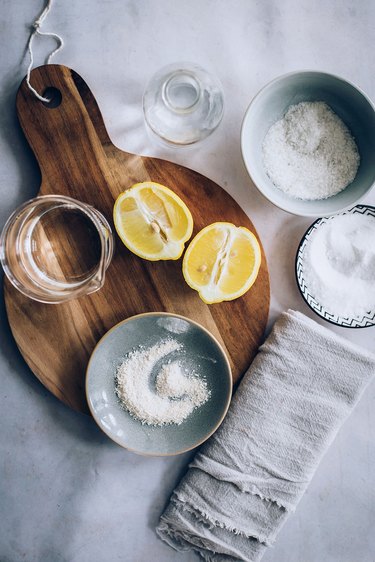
(183, 103)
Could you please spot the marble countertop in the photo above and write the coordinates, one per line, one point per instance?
(67, 493)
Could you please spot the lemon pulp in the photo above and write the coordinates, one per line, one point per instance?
(152, 221)
(222, 262)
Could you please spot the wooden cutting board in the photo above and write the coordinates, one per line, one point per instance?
(77, 158)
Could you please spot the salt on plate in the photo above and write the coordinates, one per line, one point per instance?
(174, 395)
(339, 265)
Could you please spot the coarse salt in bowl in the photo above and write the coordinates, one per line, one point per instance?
(270, 105)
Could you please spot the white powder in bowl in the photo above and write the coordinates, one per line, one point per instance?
(310, 153)
(339, 265)
(171, 398)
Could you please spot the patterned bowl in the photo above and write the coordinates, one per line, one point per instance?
(312, 300)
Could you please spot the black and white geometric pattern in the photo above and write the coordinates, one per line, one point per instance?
(359, 322)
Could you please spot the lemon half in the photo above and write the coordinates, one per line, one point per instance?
(222, 262)
(152, 221)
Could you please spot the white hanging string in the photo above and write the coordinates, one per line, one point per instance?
(36, 31)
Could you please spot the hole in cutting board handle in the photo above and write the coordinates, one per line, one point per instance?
(55, 97)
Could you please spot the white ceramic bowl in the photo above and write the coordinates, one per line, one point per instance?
(346, 100)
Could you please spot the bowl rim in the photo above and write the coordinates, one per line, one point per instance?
(228, 371)
(297, 256)
(280, 78)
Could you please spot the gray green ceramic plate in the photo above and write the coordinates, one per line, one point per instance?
(202, 354)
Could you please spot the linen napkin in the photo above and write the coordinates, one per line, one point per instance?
(247, 478)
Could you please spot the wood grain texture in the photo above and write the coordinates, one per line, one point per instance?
(77, 158)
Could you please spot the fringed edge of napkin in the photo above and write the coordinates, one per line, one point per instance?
(203, 517)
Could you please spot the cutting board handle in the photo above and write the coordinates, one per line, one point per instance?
(60, 131)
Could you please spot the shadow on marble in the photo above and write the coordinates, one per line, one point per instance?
(28, 170)
(172, 475)
(281, 258)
